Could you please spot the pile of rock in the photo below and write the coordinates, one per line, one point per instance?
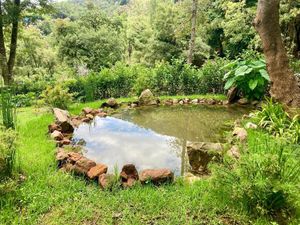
(61, 131)
(197, 101)
(78, 164)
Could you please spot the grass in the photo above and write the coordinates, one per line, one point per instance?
(48, 196)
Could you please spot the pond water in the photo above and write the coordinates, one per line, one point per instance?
(154, 137)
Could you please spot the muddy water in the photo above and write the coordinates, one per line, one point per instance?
(154, 137)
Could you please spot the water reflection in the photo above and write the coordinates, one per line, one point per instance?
(117, 142)
(153, 137)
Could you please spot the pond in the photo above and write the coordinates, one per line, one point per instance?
(154, 137)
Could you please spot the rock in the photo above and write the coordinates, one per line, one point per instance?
(181, 102)
(243, 101)
(168, 102)
(133, 105)
(90, 116)
(240, 133)
(211, 101)
(53, 127)
(195, 101)
(250, 125)
(201, 153)
(234, 152)
(74, 157)
(156, 176)
(106, 181)
(64, 141)
(86, 120)
(147, 98)
(83, 165)
(232, 95)
(61, 154)
(175, 101)
(97, 170)
(112, 103)
(255, 103)
(191, 178)
(186, 101)
(57, 135)
(61, 157)
(63, 119)
(129, 175)
(87, 110)
(76, 121)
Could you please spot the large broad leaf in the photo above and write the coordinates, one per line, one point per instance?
(230, 65)
(229, 83)
(241, 71)
(253, 84)
(258, 65)
(264, 74)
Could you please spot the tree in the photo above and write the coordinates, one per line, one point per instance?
(193, 32)
(284, 85)
(7, 64)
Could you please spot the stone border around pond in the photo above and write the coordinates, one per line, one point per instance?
(200, 154)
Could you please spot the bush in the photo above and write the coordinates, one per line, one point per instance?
(24, 100)
(278, 122)
(56, 96)
(264, 181)
(249, 76)
(7, 152)
(212, 76)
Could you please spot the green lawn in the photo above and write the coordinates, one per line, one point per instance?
(48, 196)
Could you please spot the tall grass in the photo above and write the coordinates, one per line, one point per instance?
(8, 112)
(7, 132)
(265, 182)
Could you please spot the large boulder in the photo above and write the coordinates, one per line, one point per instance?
(201, 153)
(129, 175)
(156, 176)
(96, 171)
(147, 98)
(63, 119)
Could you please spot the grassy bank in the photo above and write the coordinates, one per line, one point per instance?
(48, 196)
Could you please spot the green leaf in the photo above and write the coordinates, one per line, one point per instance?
(258, 65)
(227, 75)
(241, 70)
(264, 74)
(229, 83)
(252, 84)
(229, 65)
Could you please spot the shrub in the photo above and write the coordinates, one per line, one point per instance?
(56, 96)
(24, 100)
(212, 76)
(278, 122)
(249, 76)
(264, 181)
(7, 151)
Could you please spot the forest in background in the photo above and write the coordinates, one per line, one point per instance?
(92, 47)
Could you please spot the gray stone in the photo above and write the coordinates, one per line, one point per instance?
(240, 133)
(147, 98)
(201, 153)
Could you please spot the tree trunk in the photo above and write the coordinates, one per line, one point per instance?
(193, 32)
(8, 66)
(284, 85)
